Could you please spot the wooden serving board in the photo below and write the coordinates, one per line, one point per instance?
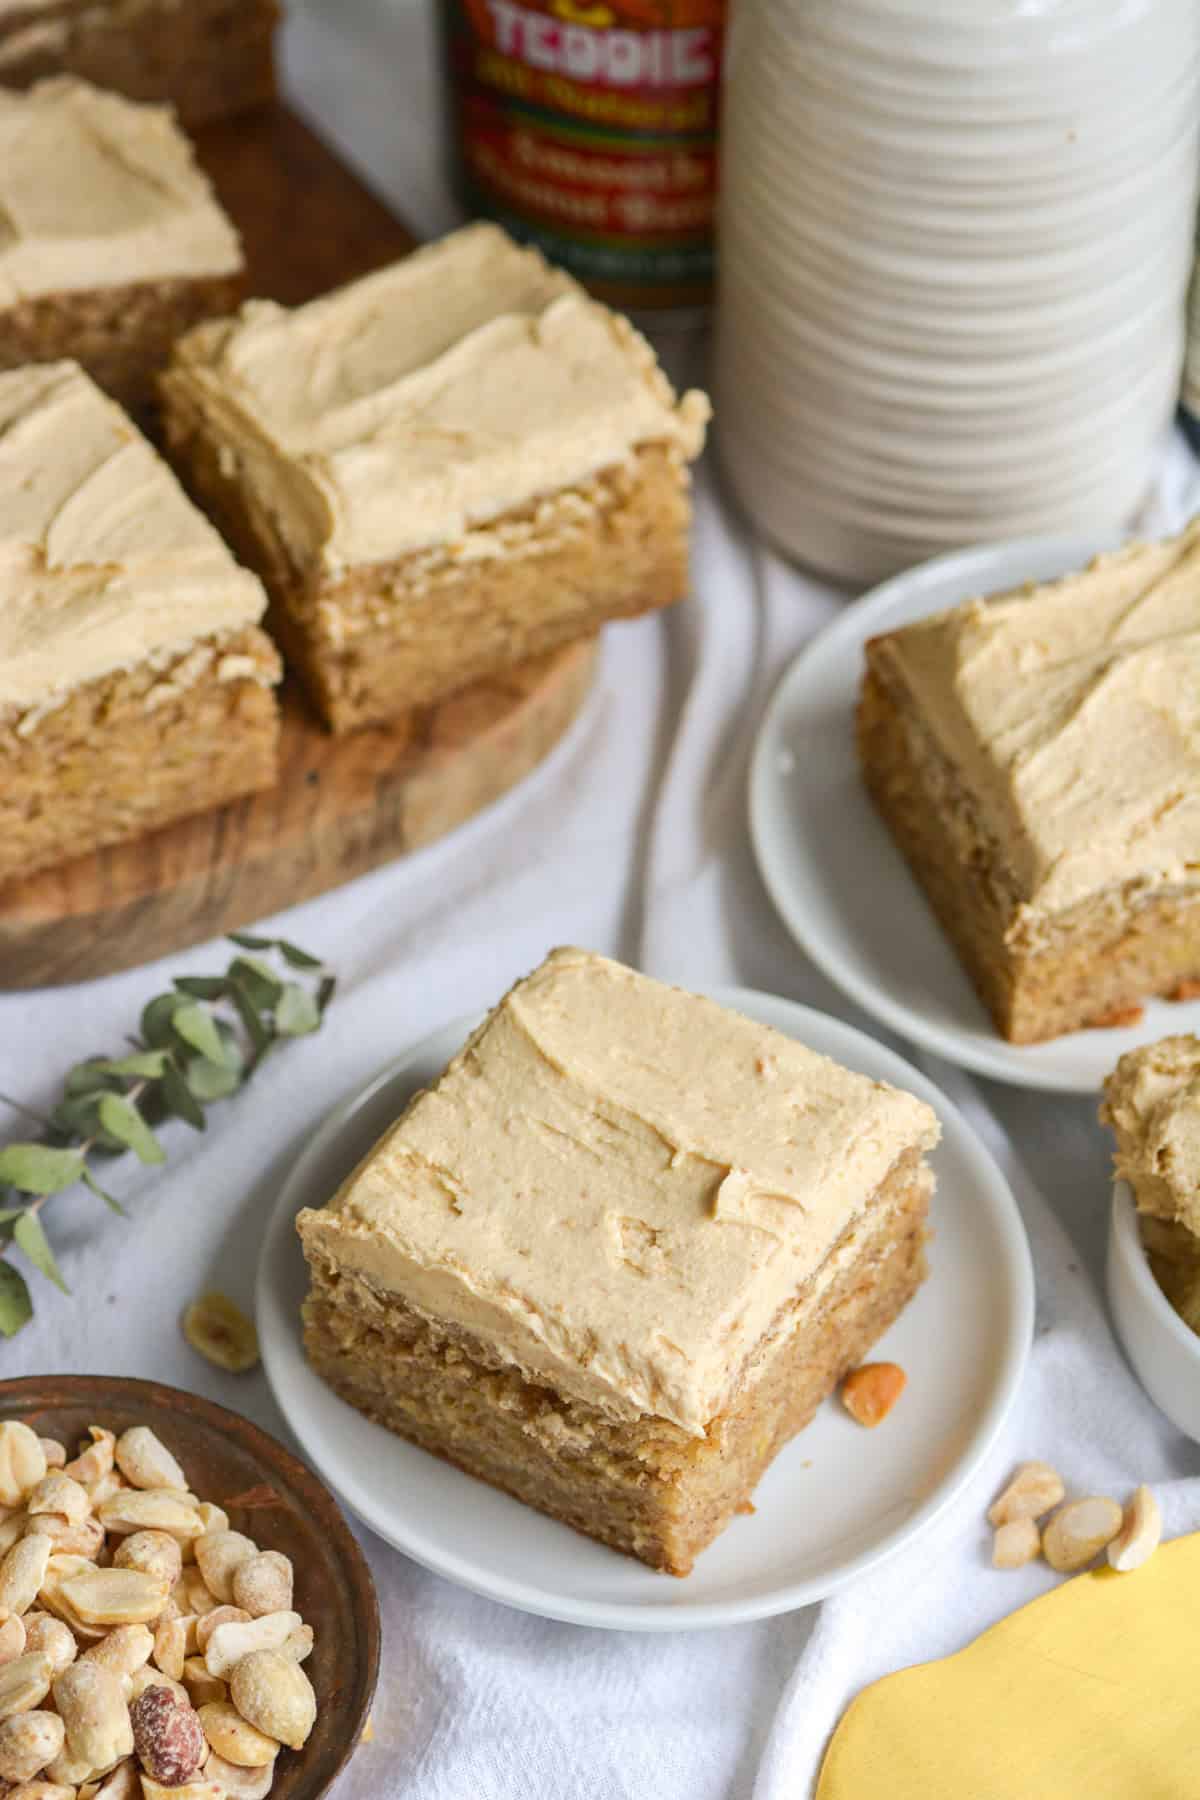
(342, 805)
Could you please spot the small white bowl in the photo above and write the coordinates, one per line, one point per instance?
(1164, 1352)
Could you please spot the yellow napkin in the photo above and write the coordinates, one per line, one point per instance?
(1087, 1694)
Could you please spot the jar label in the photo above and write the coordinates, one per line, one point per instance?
(589, 128)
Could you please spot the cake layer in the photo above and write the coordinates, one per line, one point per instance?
(1069, 713)
(137, 749)
(422, 402)
(619, 1187)
(645, 1486)
(1039, 977)
(96, 192)
(104, 562)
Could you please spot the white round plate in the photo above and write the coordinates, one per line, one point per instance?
(834, 1502)
(841, 885)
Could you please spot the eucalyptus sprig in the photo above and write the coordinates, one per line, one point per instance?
(196, 1044)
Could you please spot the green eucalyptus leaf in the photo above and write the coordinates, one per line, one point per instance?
(16, 1307)
(256, 1028)
(121, 1118)
(31, 1238)
(158, 1020)
(90, 1077)
(149, 1064)
(325, 991)
(36, 1169)
(179, 1099)
(295, 957)
(197, 1027)
(249, 942)
(210, 1081)
(89, 1181)
(257, 979)
(297, 1012)
(202, 987)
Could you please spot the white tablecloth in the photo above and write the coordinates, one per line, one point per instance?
(635, 844)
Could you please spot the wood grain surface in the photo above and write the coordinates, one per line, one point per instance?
(342, 806)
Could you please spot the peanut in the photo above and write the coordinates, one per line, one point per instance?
(298, 1644)
(124, 1651)
(12, 1638)
(231, 1642)
(1140, 1533)
(218, 1555)
(153, 1552)
(145, 1462)
(234, 1738)
(53, 1452)
(92, 1707)
(149, 1678)
(28, 1741)
(40, 1790)
(114, 1596)
(190, 1790)
(58, 1493)
(22, 1462)
(122, 1783)
(1078, 1531)
(1035, 1488)
(24, 1683)
(151, 1509)
(13, 1529)
(202, 1687)
(167, 1737)
(263, 1583)
(22, 1573)
(1016, 1543)
(239, 1784)
(275, 1694)
(170, 1647)
(220, 1615)
(215, 1518)
(199, 1598)
(84, 1539)
(96, 1462)
(52, 1637)
(870, 1391)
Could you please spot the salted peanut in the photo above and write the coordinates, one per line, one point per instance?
(153, 1552)
(22, 1572)
(40, 1790)
(870, 1391)
(96, 1462)
(218, 1555)
(84, 1539)
(24, 1683)
(12, 1638)
(218, 1328)
(69, 1771)
(215, 1517)
(202, 1687)
(114, 1596)
(168, 1739)
(1035, 1489)
(170, 1647)
(197, 1592)
(124, 1651)
(1079, 1531)
(263, 1584)
(22, 1462)
(299, 1643)
(190, 1790)
(1016, 1543)
(151, 1509)
(274, 1693)
(92, 1707)
(239, 1784)
(121, 1783)
(1140, 1533)
(59, 1569)
(28, 1741)
(59, 1493)
(145, 1461)
(220, 1615)
(230, 1643)
(54, 1452)
(234, 1738)
(104, 1489)
(13, 1529)
(52, 1637)
(150, 1677)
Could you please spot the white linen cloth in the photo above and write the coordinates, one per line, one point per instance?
(634, 843)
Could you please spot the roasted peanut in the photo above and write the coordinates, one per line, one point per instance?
(263, 1584)
(1016, 1543)
(198, 1595)
(24, 1683)
(121, 1783)
(201, 1686)
(84, 1539)
(145, 1461)
(40, 1790)
(153, 1552)
(114, 1596)
(220, 1615)
(22, 1462)
(1035, 1489)
(151, 1509)
(96, 1461)
(273, 1693)
(12, 1638)
(1140, 1533)
(218, 1555)
(58, 1493)
(239, 1784)
(229, 1643)
(22, 1572)
(298, 1644)
(170, 1647)
(235, 1738)
(150, 1677)
(13, 1529)
(53, 1452)
(124, 1651)
(92, 1707)
(1078, 1531)
(28, 1741)
(199, 1789)
(167, 1737)
(52, 1637)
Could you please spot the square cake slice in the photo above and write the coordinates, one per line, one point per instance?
(206, 58)
(617, 1254)
(446, 468)
(111, 240)
(1152, 1105)
(135, 684)
(1036, 757)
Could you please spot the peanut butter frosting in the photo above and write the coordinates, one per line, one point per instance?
(620, 1187)
(424, 401)
(1071, 712)
(97, 191)
(104, 561)
(1152, 1103)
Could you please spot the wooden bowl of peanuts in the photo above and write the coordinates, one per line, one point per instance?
(184, 1612)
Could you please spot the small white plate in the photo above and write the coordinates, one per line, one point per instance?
(834, 1502)
(841, 885)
